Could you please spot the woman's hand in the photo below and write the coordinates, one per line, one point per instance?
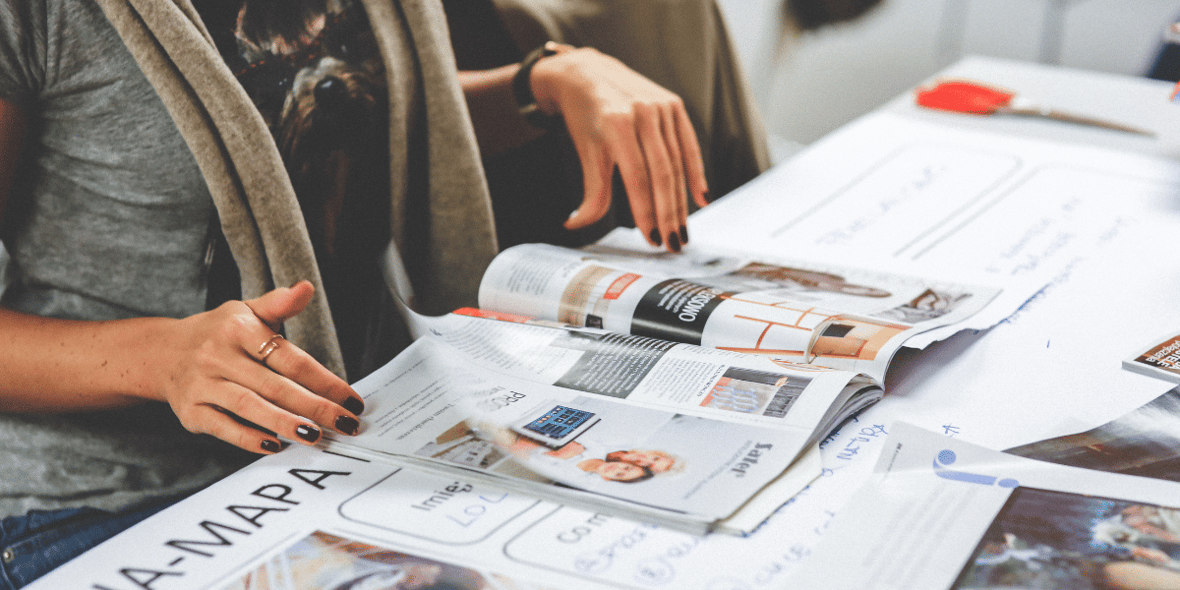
(218, 369)
(617, 117)
(225, 373)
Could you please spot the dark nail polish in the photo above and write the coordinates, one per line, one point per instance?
(354, 405)
(708, 197)
(683, 235)
(674, 242)
(655, 237)
(347, 425)
(270, 446)
(307, 433)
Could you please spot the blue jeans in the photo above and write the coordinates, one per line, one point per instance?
(34, 544)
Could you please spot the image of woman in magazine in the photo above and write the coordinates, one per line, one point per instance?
(620, 471)
(632, 465)
(587, 456)
(655, 460)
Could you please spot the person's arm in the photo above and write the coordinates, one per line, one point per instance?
(616, 118)
(208, 367)
(498, 125)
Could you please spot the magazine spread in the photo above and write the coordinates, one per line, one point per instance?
(941, 513)
(672, 389)
(670, 433)
(835, 316)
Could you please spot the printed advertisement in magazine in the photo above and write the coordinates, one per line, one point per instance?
(843, 318)
(669, 431)
(946, 514)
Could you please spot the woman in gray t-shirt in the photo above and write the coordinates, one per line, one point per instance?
(113, 371)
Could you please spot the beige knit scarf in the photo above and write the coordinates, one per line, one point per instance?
(259, 213)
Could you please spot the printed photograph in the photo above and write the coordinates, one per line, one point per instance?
(755, 392)
(758, 276)
(1144, 442)
(326, 562)
(1047, 540)
(930, 305)
(606, 450)
(576, 308)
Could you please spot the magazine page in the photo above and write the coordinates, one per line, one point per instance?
(1143, 442)
(664, 431)
(1160, 360)
(941, 513)
(649, 372)
(305, 519)
(938, 198)
(839, 317)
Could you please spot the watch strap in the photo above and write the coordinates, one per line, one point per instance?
(522, 89)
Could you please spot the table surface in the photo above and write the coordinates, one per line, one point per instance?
(1138, 102)
(948, 380)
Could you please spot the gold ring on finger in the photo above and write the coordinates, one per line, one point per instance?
(268, 347)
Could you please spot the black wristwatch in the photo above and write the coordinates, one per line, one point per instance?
(523, 90)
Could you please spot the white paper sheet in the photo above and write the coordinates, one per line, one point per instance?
(1076, 236)
(941, 201)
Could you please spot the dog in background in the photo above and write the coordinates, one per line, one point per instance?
(314, 71)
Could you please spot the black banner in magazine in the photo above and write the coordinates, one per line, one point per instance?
(676, 310)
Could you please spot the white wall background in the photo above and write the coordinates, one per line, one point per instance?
(816, 82)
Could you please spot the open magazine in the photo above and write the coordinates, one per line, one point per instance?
(672, 389)
(835, 316)
(668, 433)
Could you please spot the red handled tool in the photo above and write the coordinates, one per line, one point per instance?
(962, 96)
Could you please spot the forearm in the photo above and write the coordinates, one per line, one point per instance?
(225, 372)
(494, 114)
(617, 120)
(52, 365)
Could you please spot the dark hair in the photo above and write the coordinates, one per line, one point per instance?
(811, 15)
(263, 20)
(646, 475)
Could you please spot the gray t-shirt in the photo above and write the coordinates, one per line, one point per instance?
(108, 218)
